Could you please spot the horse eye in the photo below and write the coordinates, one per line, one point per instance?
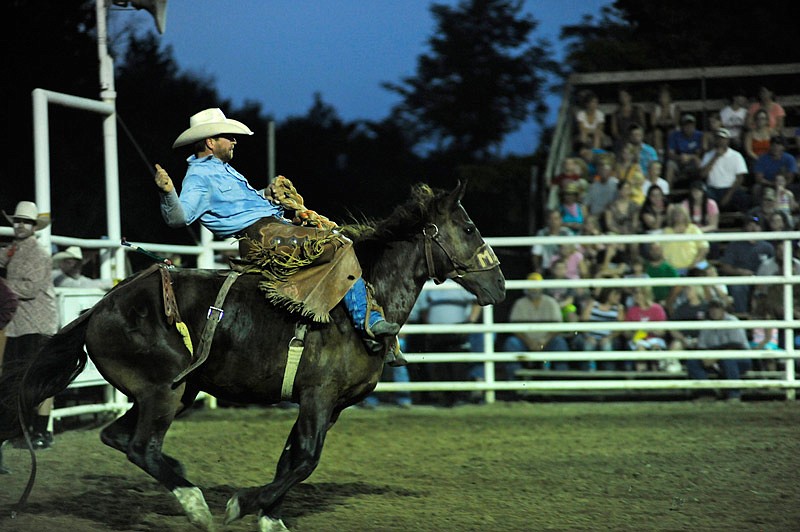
(469, 229)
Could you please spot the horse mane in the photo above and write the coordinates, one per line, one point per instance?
(404, 222)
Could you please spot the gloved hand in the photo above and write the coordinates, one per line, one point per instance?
(163, 181)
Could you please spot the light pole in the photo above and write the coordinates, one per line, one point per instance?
(158, 9)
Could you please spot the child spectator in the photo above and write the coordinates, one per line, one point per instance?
(628, 169)
(784, 200)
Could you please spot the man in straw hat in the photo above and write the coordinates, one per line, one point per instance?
(222, 199)
(67, 270)
(36, 319)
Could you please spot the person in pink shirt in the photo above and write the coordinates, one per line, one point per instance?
(645, 308)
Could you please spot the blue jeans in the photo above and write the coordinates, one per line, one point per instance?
(557, 343)
(355, 300)
(732, 369)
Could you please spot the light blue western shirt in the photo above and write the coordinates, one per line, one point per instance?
(219, 196)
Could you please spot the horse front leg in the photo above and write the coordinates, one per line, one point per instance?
(299, 459)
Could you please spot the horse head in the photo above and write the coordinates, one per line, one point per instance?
(455, 249)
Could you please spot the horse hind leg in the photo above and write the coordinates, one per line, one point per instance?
(156, 414)
(119, 433)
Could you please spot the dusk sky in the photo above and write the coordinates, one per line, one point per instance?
(280, 52)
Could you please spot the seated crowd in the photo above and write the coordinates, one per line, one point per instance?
(685, 182)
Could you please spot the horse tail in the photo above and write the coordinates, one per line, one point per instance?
(48, 372)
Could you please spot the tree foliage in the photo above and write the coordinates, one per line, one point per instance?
(635, 35)
(480, 81)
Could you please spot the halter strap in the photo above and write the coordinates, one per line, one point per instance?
(483, 259)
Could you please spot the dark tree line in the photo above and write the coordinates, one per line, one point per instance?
(485, 73)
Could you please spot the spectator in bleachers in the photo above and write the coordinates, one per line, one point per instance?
(757, 139)
(721, 339)
(589, 156)
(653, 214)
(645, 309)
(644, 153)
(734, 118)
(766, 102)
(766, 338)
(622, 218)
(724, 170)
(572, 211)
(607, 306)
(775, 161)
(573, 171)
(664, 119)
(567, 298)
(603, 188)
(598, 256)
(629, 170)
(67, 271)
(685, 150)
(691, 306)
(743, 257)
(591, 121)
(658, 268)
(703, 210)
(714, 123)
(684, 256)
(576, 266)
(536, 307)
(785, 201)
(777, 222)
(542, 254)
(624, 116)
(765, 208)
(654, 177)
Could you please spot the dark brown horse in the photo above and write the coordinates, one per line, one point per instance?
(134, 347)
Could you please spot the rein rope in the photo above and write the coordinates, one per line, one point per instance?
(482, 260)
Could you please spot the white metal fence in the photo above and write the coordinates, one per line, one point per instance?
(489, 328)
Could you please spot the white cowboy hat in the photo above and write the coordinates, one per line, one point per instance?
(209, 123)
(27, 210)
(72, 252)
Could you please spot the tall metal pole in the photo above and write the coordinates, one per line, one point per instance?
(109, 96)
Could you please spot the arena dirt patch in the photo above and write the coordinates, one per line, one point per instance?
(509, 466)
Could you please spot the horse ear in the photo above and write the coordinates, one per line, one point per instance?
(456, 195)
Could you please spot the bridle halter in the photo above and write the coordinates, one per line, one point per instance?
(482, 260)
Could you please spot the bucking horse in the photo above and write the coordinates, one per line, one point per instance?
(138, 349)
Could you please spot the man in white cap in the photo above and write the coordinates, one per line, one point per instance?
(724, 169)
(224, 202)
(36, 319)
(67, 271)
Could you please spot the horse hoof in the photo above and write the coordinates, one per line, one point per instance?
(270, 524)
(232, 510)
(195, 507)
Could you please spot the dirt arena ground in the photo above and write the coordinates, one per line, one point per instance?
(509, 466)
